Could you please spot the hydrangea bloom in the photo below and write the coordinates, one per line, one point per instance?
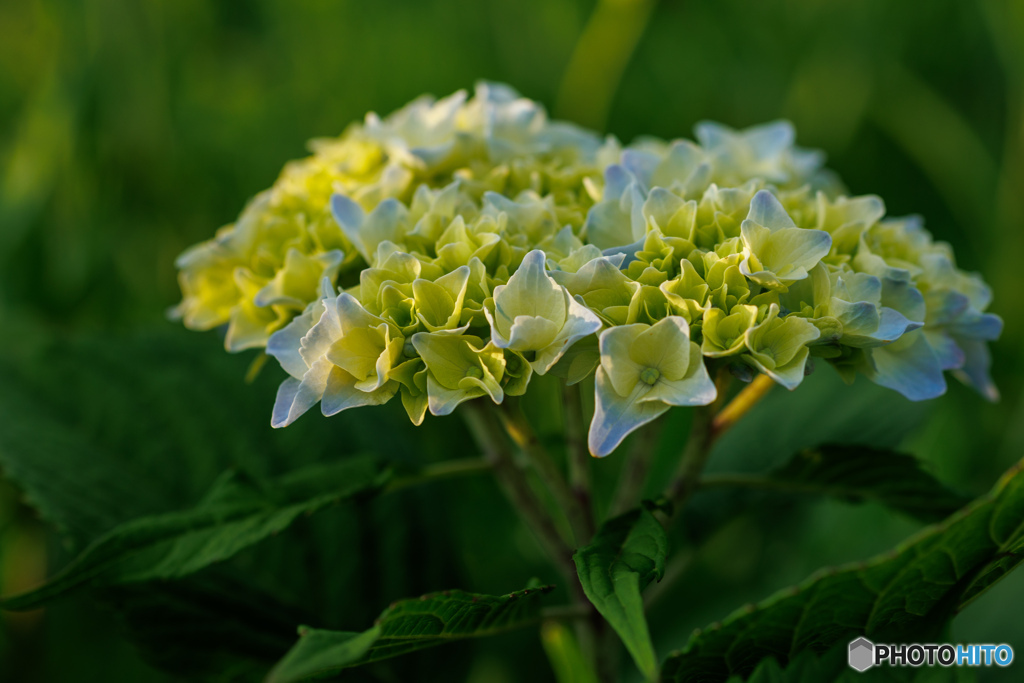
(457, 247)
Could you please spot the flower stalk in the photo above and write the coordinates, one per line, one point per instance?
(488, 434)
(447, 469)
(523, 435)
(741, 404)
(636, 468)
(579, 459)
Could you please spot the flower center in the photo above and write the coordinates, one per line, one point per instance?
(408, 350)
(649, 375)
(475, 373)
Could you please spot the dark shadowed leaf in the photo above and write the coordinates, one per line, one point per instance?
(69, 482)
(208, 627)
(859, 473)
(407, 626)
(237, 513)
(909, 593)
(832, 667)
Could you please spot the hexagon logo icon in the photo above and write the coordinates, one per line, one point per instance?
(862, 654)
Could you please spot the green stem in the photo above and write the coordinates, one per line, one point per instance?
(579, 459)
(567, 612)
(695, 454)
(636, 468)
(487, 431)
(488, 435)
(709, 423)
(448, 469)
(521, 432)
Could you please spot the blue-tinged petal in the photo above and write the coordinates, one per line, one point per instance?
(294, 397)
(616, 416)
(909, 366)
(769, 139)
(987, 326)
(766, 210)
(892, 325)
(711, 134)
(286, 343)
(858, 287)
(902, 296)
(641, 164)
(859, 318)
(284, 402)
(624, 254)
(616, 180)
(349, 217)
(975, 371)
(386, 223)
(945, 306)
(945, 347)
(617, 220)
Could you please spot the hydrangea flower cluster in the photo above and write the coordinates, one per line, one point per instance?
(457, 247)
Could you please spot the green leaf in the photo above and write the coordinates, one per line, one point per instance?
(860, 473)
(627, 553)
(70, 483)
(207, 627)
(100, 431)
(237, 513)
(406, 626)
(911, 592)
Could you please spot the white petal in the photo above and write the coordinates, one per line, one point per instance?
(766, 210)
(341, 393)
(285, 344)
(615, 417)
(791, 374)
(294, 397)
(349, 216)
(581, 322)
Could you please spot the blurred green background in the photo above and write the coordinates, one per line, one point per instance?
(131, 130)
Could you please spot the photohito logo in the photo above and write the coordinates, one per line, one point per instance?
(863, 654)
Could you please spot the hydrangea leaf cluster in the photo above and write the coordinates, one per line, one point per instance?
(457, 247)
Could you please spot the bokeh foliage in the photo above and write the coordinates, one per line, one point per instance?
(129, 130)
